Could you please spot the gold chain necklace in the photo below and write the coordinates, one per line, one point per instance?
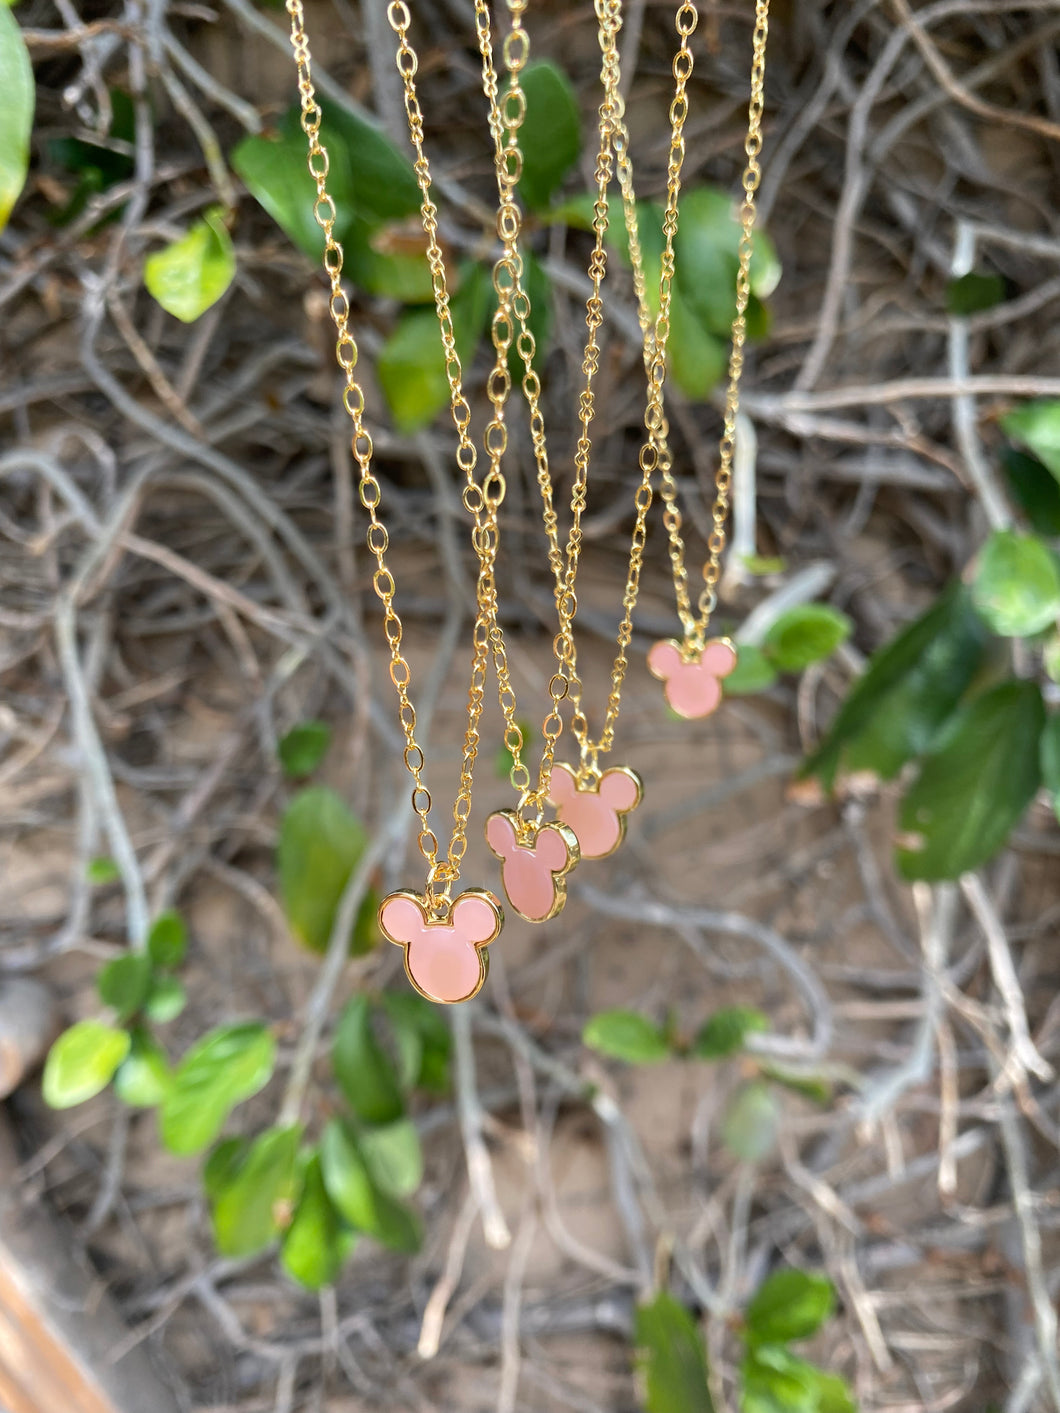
(693, 667)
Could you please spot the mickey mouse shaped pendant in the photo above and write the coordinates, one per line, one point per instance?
(595, 808)
(693, 679)
(445, 955)
(534, 863)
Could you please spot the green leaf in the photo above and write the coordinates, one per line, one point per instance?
(698, 358)
(1017, 584)
(393, 1157)
(1051, 657)
(303, 747)
(707, 258)
(190, 275)
(777, 1381)
(752, 1117)
(16, 112)
(227, 1066)
(671, 1359)
(382, 180)
(833, 1393)
(365, 1073)
(166, 999)
(82, 1063)
(357, 1197)
(321, 842)
(911, 685)
(275, 172)
(753, 672)
(974, 292)
(975, 785)
(726, 1030)
(1050, 759)
(805, 635)
(102, 871)
(1035, 491)
(223, 1163)
(167, 942)
(316, 1243)
(817, 1088)
(789, 1304)
(105, 165)
(422, 1041)
(144, 1077)
(253, 1203)
(1036, 425)
(411, 363)
(123, 984)
(550, 135)
(625, 1035)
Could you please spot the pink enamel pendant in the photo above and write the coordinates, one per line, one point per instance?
(693, 683)
(534, 867)
(595, 809)
(445, 958)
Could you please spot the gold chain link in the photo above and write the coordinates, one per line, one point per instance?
(695, 623)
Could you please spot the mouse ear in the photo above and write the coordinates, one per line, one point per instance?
(476, 919)
(664, 659)
(619, 790)
(401, 918)
(561, 784)
(552, 848)
(500, 834)
(719, 657)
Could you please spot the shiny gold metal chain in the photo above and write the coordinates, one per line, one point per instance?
(695, 623)
(655, 448)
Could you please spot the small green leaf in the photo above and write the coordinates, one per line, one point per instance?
(316, 1243)
(833, 1393)
(190, 275)
(226, 1067)
(550, 135)
(223, 1163)
(393, 1157)
(358, 1199)
(422, 1041)
(82, 1062)
(625, 1035)
(1050, 759)
(382, 180)
(910, 687)
(749, 1127)
(777, 1381)
(303, 748)
(165, 1000)
(365, 1073)
(1035, 490)
(974, 292)
(102, 871)
(753, 672)
(321, 842)
(167, 942)
(16, 112)
(1017, 584)
(275, 172)
(805, 635)
(817, 1088)
(1036, 425)
(411, 363)
(726, 1030)
(123, 984)
(1051, 657)
(671, 1358)
(698, 358)
(707, 253)
(974, 787)
(144, 1078)
(253, 1204)
(789, 1304)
